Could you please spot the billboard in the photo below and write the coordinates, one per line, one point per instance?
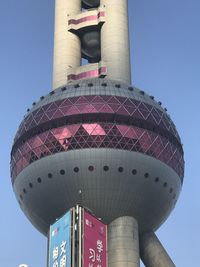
(60, 242)
(94, 242)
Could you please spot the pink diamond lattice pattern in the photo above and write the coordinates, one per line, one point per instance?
(96, 135)
(99, 105)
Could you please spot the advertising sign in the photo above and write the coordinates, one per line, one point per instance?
(94, 242)
(59, 242)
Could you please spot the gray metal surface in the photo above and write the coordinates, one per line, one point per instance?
(123, 243)
(122, 89)
(152, 252)
(109, 194)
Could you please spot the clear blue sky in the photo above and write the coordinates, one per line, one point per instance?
(165, 49)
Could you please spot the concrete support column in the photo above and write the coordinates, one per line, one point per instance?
(153, 253)
(123, 244)
(115, 50)
(67, 47)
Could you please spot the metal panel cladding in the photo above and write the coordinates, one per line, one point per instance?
(60, 242)
(94, 242)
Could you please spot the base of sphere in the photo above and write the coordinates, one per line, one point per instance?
(110, 182)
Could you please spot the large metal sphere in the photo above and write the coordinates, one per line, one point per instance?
(100, 143)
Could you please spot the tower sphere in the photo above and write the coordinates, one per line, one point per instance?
(101, 143)
(90, 3)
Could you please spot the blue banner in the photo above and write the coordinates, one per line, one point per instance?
(60, 242)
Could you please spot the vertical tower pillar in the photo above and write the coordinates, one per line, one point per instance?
(115, 50)
(67, 47)
(153, 253)
(123, 244)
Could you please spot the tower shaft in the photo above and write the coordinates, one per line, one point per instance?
(100, 35)
(115, 40)
(123, 243)
(67, 46)
(153, 253)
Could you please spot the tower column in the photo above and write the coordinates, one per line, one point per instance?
(67, 46)
(123, 244)
(115, 50)
(153, 253)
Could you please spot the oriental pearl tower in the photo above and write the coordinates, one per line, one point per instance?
(97, 140)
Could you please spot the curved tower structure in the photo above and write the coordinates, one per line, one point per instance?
(97, 140)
